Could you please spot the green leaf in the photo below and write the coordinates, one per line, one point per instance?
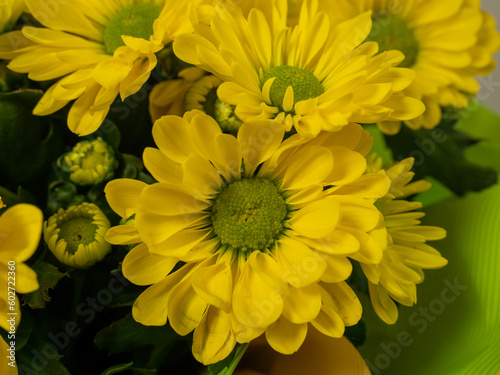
(227, 365)
(23, 331)
(48, 277)
(109, 133)
(126, 334)
(117, 369)
(42, 359)
(28, 143)
(440, 153)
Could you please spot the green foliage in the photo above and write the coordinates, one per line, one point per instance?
(440, 153)
(227, 365)
(48, 277)
(28, 143)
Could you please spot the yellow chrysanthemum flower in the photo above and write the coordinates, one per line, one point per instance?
(446, 43)
(313, 77)
(90, 162)
(76, 235)
(406, 253)
(101, 50)
(20, 229)
(10, 11)
(261, 231)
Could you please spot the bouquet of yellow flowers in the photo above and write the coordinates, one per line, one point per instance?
(218, 187)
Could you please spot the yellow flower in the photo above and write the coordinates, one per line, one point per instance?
(406, 253)
(90, 162)
(446, 43)
(76, 235)
(20, 228)
(319, 355)
(313, 77)
(101, 50)
(262, 230)
(10, 11)
(168, 97)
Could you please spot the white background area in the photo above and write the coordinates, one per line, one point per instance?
(489, 94)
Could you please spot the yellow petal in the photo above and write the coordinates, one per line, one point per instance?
(167, 199)
(213, 339)
(308, 166)
(185, 307)
(338, 269)
(150, 308)
(26, 279)
(203, 132)
(301, 266)
(5, 360)
(162, 168)
(383, 305)
(215, 285)
(81, 119)
(286, 337)
(179, 244)
(344, 301)
(143, 268)
(337, 242)
(226, 155)
(316, 219)
(109, 73)
(303, 304)
(255, 303)
(155, 229)
(123, 235)
(269, 270)
(123, 195)
(171, 134)
(329, 323)
(200, 177)
(348, 166)
(288, 99)
(20, 230)
(259, 140)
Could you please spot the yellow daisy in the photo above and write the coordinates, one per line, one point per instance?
(446, 43)
(406, 253)
(96, 50)
(20, 228)
(89, 162)
(76, 235)
(260, 231)
(313, 77)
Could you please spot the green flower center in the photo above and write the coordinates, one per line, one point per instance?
(248, 215)
(305, 84)
(392, 32)
(77, 231)
(135, 20)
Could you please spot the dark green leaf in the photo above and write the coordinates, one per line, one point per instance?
(117, 369)
(440, 153)
(48, 277)
(28, 143)
(126, 334)
(227, 365)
